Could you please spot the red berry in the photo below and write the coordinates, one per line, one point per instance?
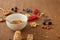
(35, 11)
(31, 18)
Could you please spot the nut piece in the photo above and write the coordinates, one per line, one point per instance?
(42, 14)
(34, 24)
(47, 27)
(17, 36)
(30, 37)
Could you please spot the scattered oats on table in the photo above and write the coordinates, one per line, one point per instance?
(34, 24)
(30, 37)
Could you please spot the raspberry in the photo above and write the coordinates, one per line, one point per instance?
(35, 11)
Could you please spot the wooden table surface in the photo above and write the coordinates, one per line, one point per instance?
(50, 7)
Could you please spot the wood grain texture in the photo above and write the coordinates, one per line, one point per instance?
(50, 7)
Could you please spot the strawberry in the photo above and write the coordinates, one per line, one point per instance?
(31, 18)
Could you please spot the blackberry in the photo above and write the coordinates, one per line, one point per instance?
(49, 23)
(15, 9)
(44, 23)
(27, 10)
(12, 9)
(30, 10)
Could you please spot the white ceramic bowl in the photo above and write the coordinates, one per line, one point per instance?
(16, 16)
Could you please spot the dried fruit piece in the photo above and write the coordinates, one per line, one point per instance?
(45, 27)
(34, 24)
(17, 35)
(30, 37)
(48, 28)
